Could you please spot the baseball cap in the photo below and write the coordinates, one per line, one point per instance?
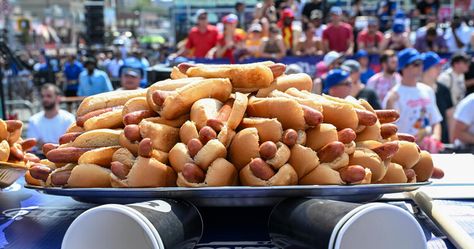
(134, 72)
(431, 59)
(351, 65)
(334, 77)
(336, 10)
(255, 27)
(407, 56)
(200, 12)
(361, 54)
(398, 26)
(331, 57)
(230, 18)
(316, 14)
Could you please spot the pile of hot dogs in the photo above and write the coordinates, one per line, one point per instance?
(12, 147)
(224, 125)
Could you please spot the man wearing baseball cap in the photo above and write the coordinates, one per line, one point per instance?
(432, 65)
(130, 78)
(201, 38)
(419, 115)
(359, 91)
(230, 40)
(338, 83)
(330, 61)
(362, 56)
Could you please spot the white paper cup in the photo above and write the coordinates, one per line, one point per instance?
(325, 224)
(157, 224)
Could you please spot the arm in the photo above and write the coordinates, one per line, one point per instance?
(461, 132)
(437, 131)
(459, 43)
(391, 100)
(108, 84)
(384, 44)
(350, 44)
(360, 43)
(326, 45)
(220, 50)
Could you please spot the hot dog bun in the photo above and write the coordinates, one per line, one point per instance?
(108, 99)
(111, 119)
(100, 156)
(167, 85)
(244, 147)
(321, 135)
(203, 110)
(322, 175)
(407, 155)
(89, 176)
(424, 167)
(163, 137)
(285, 176)
(394, 174)
(269, 129)
(96, 138)
(300, 81)
(220, 173)
(303, 160)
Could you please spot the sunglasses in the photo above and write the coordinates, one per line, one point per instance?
(202, 17)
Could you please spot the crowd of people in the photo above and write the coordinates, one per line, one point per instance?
(291, 28)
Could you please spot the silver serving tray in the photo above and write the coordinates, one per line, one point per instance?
(231, 196)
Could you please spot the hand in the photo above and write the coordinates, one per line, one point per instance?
(393, 97)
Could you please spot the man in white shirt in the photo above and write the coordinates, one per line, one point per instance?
(458, 35)
(48, 125)
(453, 77)
(463, 131)
(416, 102)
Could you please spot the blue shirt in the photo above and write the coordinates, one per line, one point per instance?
(96, 83)
(72, 70)
(365, 76)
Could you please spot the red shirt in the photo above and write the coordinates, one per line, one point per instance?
(369, 40)
(229, 53)
(338, 36)
(202, 42)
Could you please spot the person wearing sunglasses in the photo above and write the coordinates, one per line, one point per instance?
(338, 83)
(416, 102)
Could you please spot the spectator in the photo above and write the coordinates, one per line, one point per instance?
(458, 35)
(266, 10)
(426, 8)
(254, 40)
(72, 70)
(311, 6)
(357, 8)
(130, 78)
(316, 19)
(92, 80)
(463, 131)
(201, 38)
(432, 20)
(453, 77)
(416, 103)
(338, 35)
(469, 77)
(272, 46)
(358, 90)
(431, 41)
(229, 41)
(286, 25)
(309, 44)
(338, 83)
(366, 72)
(385, 11)
(370, 39)
(397, 39)
(432, 64)
(240, 13)
(52, 122)
(330, 61)
(383, 81)
(114, 65)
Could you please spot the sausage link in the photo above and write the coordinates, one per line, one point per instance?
(312, 116)
(278, 69)
(69, 137)
(222, 116)
(194, 146)
(268, 150)
(119, 169)
(13, 125)
(437, 173)
(40, 171)
(346, 135)
(132, 133)
(31, 158)
(387, 130)
(352, 173)
(16, 153)
(406, 137)
(137, 116)
(331, 151)
(66, 155)
(159, 96)
(193, 173)
(290, 137)
(207, 133)
(145, 148)
(410, 173)
(386, 150)
(261, 169)
(60, 178)
(48, 147)
(28, 144)
(366, 118)
(387, 116)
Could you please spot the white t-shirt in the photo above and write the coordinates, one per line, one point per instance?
(456, 84)
(48, 130)
(417, 107)
(464, 34)
(464, 113)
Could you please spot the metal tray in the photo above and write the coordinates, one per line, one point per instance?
(231, 196)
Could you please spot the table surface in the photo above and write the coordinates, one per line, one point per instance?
(29, 219)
